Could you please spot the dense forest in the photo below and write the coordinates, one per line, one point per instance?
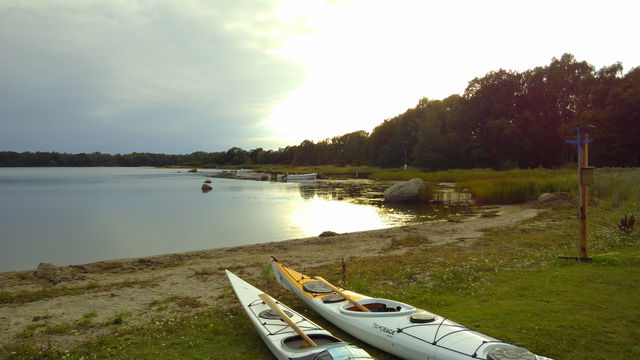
(505, 119)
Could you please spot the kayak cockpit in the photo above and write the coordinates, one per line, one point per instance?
(378, 306)
(296, 342)
(339, 352)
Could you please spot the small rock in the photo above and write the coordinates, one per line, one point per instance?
(328, 233)
(45, 267)
(206, 188)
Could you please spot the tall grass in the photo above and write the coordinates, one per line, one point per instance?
(615, 186)
(517, 190)
(460, 175)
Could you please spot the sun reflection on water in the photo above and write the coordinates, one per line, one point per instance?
(317, 215)
(359, 206)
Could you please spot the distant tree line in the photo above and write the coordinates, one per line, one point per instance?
(503, 120)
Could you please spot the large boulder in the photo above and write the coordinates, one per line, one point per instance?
(550, 200)
(413, 190)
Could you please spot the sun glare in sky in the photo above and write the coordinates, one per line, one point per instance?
(367, 61)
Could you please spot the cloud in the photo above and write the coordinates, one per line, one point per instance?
(122, 76)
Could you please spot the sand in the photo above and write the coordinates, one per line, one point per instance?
(140, 287)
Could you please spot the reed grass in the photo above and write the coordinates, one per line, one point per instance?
(488, 186)
(615, 186)
(516, 190)
(461, 175)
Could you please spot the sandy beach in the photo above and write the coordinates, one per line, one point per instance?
(137, 286)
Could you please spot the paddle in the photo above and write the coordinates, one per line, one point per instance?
(341, 293)
(272, 304)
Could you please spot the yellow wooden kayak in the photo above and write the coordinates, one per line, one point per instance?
(396, 327)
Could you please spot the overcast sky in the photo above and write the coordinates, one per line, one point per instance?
(179, 76)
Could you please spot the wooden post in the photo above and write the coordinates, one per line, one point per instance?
(585, 178)
(584, 200)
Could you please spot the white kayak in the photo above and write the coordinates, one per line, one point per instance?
(281, 338)
(396, 327)
(310, 176)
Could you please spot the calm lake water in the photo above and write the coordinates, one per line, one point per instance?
(78, 215)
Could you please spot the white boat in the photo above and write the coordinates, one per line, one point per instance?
(288, 176)
(286, 339)
(396, 327)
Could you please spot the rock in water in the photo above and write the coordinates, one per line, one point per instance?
(206, 188)
(413, 190)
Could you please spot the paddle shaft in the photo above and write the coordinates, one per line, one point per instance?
(341, 293)
(272, 304)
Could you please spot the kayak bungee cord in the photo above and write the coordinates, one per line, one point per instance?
(436, 339)
(279, 322)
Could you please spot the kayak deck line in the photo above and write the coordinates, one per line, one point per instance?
(277, 322)
(436, 340)
(403, 330)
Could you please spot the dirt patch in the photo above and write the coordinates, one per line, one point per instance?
(152, 287)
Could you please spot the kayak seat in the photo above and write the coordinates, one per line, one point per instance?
(296, 342)
(375, 307)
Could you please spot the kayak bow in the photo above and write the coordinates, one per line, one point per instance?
(283, 337)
